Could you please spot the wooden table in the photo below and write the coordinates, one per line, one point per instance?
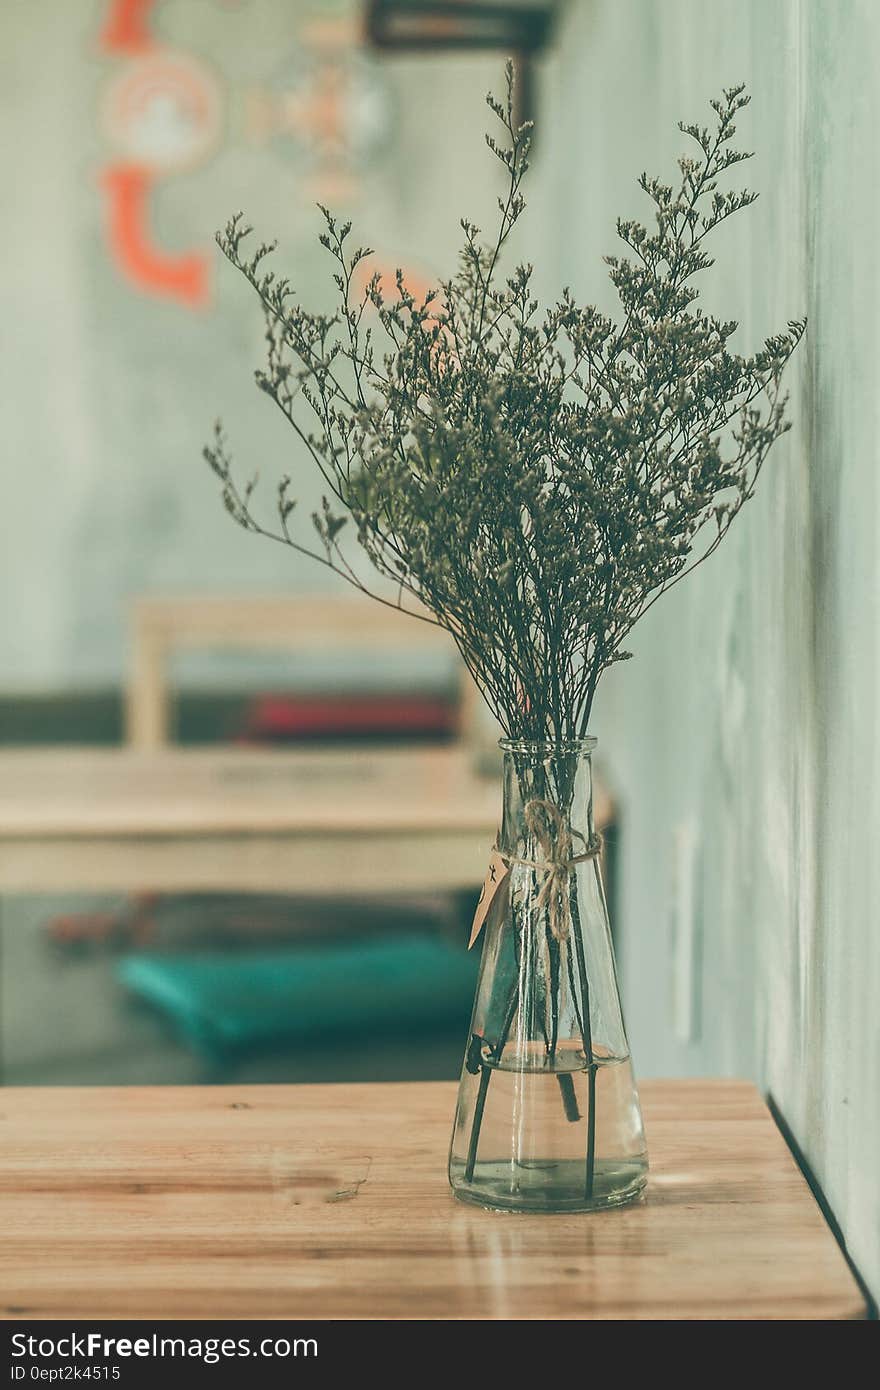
(331, 1202)
(310, 820)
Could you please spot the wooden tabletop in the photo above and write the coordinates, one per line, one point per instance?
(331, 1202)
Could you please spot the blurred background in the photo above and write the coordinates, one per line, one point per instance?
(740, 750)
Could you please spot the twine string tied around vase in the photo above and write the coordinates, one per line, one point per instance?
(555, 838)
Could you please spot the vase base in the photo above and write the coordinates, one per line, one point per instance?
(550, 1187)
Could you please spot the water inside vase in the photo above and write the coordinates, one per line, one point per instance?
(532, 1150)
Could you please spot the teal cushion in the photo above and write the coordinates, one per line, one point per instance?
(223, 1002)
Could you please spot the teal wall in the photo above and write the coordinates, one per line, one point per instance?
(744, 738)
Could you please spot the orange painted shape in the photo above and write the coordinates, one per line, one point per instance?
(183, 277)
(127, 29)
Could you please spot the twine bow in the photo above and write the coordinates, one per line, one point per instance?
(546, 823)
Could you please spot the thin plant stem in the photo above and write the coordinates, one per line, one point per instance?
(574, 995)
(587, 1034)
(565, 780)
(485, 1077)
(569, 1097)
(553, 952)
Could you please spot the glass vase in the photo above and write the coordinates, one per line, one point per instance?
(548, 1116)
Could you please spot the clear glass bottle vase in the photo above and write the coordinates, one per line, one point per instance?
(548, 1115)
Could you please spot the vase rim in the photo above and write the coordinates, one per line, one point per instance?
(548, 746)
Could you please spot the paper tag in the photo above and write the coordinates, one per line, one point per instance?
(495, 875)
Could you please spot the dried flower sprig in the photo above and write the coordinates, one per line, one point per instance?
(536, 482)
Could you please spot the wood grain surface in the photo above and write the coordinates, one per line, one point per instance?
(332, 1202)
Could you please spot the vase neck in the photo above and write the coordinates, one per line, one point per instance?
(548, 795)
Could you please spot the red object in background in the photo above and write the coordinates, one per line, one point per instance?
(182, 277)
(127, 28)
(293, 718)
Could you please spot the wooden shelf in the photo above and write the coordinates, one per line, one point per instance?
(331, 1202)
(243, 820)
(308, 820)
